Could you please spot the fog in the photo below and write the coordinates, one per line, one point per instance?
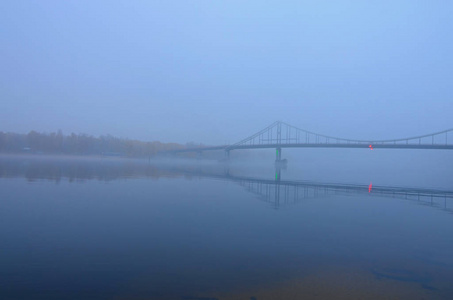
(215, 72)
(226, 149)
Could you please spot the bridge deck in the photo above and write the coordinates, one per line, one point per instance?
(345, 145)
(319, 145)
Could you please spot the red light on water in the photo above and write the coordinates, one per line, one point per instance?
(370, 187)
(371, 147)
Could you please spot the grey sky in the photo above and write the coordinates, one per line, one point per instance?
(217, 71)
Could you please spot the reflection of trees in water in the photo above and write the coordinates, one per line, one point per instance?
(275, 191)
(56, 169)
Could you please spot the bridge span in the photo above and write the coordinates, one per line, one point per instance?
(281, 135)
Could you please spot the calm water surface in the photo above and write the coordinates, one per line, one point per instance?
(117, 229)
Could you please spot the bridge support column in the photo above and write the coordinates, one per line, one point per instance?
(227, 154)
(278, 155)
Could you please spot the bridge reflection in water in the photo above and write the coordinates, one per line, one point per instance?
(278, 192)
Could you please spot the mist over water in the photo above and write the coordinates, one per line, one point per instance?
(226, 150)
(187, 229)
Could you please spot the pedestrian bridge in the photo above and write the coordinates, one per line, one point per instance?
(281, 135)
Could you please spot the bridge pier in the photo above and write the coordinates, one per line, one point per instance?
(279, 162)
(278, 154)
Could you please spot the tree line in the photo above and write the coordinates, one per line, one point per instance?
(79, 144)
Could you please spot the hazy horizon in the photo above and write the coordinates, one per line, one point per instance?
(216, 72)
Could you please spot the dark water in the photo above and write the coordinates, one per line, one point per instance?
(118, 229)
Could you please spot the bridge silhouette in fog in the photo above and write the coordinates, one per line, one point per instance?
(281, 135)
